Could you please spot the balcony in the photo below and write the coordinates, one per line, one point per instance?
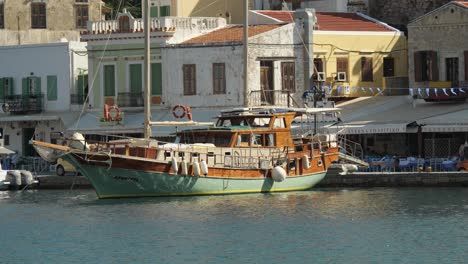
(272, 98)
(19, 104)
(130, 99)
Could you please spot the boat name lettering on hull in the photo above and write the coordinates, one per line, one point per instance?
(126, 178)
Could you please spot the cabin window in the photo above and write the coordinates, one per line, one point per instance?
(256, 140)
(260, 122)
(38, 15)
(81, 12)
(279, 123)
(190, 79)
(288, 73)
(367, 69)
(388, 67)
(219, 78)
(270, 140)
(2, 23)
(243, 140)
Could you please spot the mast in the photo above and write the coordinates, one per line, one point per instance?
(246, 52)
(147, 94)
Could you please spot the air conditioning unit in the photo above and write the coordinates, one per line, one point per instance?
(341, 76)
(321, 76)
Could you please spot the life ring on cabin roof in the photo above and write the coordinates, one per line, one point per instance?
(179, 111)
(112, 113)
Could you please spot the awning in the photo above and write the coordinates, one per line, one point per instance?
(444, 128)
(35, 117)
(372, 128)
(5, 151)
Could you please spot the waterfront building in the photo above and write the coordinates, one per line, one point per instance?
(30, 22)
(41, 85)
(438, 47)
(353, 52)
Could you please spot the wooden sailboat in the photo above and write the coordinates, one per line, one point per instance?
(248, 150)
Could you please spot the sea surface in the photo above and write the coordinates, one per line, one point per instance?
(381, 225)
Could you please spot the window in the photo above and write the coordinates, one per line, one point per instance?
(2, 23)
(451, 65)
(38, 15)
(109, 80)
(219, 78)
(156, 79)
(189, 72)
(165, 11)
(6, 88)
(52, 88)
(288, 73)
(367, 69)
(6, 140)
(135, 80)
(318, 67)
(342, 65)
(425, 66)
(279, 123)
(81, 12)
(466, 65)
(388, 67)
(31, 86)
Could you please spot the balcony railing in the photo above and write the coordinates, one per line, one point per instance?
(272, 98)
(130, 99)
(19, 104)
(77, 99)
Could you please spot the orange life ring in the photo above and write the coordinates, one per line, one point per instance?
(112, 117)
(175, 111)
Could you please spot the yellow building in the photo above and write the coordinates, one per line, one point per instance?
(353, 53)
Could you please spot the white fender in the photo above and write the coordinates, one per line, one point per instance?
(204, 167)
(16, 175)
(175, 166)
(27, 177)
(196, 169)
(184, 166)
(306, 162)
(278, 174)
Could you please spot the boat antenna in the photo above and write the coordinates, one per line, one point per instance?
(147, 29)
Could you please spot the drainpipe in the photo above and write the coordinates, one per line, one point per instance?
(246, 52)
(307, 16)
(19, 33)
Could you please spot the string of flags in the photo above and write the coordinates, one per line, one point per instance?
(422, 92)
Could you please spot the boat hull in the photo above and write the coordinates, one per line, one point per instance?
(115, 182)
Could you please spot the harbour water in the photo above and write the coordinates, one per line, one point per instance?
(380, 225)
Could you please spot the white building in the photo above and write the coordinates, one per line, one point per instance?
(38, 88)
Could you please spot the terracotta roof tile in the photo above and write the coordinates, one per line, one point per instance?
(230, 34)
(462, 3)
(333, 21)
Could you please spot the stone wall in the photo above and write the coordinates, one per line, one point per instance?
(400, 12)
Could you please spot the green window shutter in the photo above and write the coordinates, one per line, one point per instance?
(135, 78)
(81, 84)
(2, 91)
(154, 11)
(11, 88)
(52, 88)
(165, 11)
(109, 80)
(25, 87)
(37, 85)
(156, 79)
